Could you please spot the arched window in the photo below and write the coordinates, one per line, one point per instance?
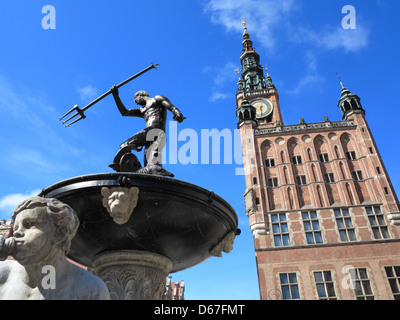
(294, 151)
(290, 198)
(309, 154)
(319, 195)
(314, 172)
(350, 193)
(282, 156)
(336, 148)
(341, 166)
(285, 174)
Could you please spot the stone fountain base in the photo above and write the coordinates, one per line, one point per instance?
(171, 226)
(132, 274)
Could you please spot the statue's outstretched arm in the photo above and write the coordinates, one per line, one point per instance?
(124, 111)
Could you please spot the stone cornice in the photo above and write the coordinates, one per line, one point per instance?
(305, 127)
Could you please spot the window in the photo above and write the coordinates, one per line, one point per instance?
(280, 230)
(393, 276)
(254, 180)
(324, 285)
(344, 224)
(311, 227)
(357, 175)
(329, 177)
(296, 159)
(351, 155)
(361, 284)
(273, 182)
(323, 157)
(270, 162)
(378, 170)
(377, 222)
(301, 180)
(289, 286)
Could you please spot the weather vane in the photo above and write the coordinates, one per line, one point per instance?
(238, 71)
(266, 68)
(340, 80)
(244, 24)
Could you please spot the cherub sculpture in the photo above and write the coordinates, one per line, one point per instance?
(42, 233)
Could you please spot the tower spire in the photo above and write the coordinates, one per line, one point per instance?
(344, 89)
(268, 79)
(247, 43)
(252, 70)
(349, 103)
(240, 81)
(340, 80)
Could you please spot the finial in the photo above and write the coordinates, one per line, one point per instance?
(245, 33)
(238, 71)
(266, 68)
(340, 81)
(268, 79)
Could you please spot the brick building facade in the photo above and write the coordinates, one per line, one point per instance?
(174, 290)
(323, 212)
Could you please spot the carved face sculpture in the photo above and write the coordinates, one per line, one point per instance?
(34, 233)
(43, 229)
(120, 202)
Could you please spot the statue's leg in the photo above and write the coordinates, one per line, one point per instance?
(153, 153)
(136, 142)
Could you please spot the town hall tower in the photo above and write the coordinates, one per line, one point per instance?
(323, 212)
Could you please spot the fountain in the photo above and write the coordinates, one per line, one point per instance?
(173, 226)
(137, 225)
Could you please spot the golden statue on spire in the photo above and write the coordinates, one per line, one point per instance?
(266, 68)
(244, 26)
(238, 71)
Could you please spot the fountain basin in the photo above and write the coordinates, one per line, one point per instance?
(173, 218)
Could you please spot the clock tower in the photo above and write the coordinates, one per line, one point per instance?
(256, 90)
(323, 213)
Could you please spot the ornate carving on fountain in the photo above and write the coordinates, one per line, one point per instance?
(132, 274)
(120, 202)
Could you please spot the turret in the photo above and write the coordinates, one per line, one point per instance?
(349, 103)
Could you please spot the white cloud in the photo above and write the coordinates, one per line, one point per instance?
(221, 76)
(311, 76)
(9, 202)
(88, 93)
(32, 145)
(334, 38)
(267, 19)
(306, 81)
(351, 40)
(262, 16)
(218, 96)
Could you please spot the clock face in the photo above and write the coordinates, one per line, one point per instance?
(263, 107)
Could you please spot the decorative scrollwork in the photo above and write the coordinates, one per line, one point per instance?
(275, 294)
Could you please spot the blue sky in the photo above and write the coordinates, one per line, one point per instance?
(97, 44)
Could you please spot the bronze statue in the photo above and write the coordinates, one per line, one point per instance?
(152, 137)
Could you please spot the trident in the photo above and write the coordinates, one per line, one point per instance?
(79, 111)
